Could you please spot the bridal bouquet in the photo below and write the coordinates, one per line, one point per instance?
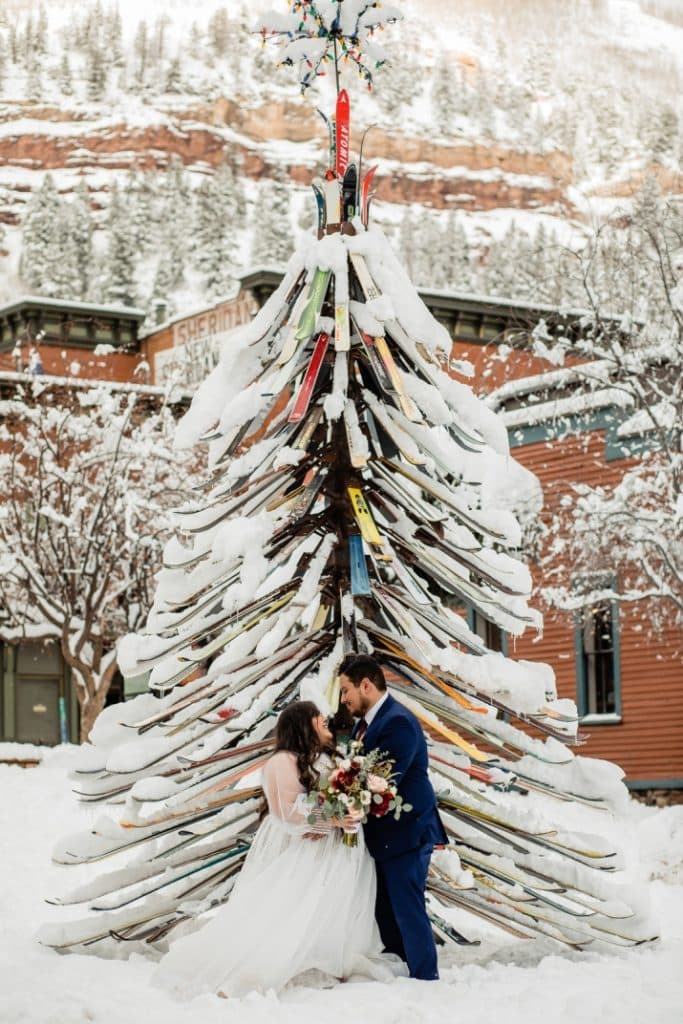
(358, 785)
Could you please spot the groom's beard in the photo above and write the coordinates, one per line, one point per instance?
(365, 706)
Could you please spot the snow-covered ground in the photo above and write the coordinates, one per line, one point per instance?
(502, 980)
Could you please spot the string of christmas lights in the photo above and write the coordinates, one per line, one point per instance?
(319, 33)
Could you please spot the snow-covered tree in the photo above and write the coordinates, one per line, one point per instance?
(34, 80)
(3, 61)
(118, 283)
(82, 234)
(141, 53)
(67, 281)
(174, 79)
(95, 73)
(64, 75)
(272, 238)
(627, 537)
(176, 217)
(40, 38)
(358, 499)
(455, 255)
(442, 93)
(39, 251)
(219, 214)
(87, 486)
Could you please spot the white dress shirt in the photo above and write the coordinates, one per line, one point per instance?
(371, 712)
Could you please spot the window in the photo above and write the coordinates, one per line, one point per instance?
(597, 649)
(492, 635)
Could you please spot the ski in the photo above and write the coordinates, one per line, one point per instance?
(319, 194)
(366, 195)
(360, 580)
(343, 133)
(368, 286)
(446, 932)
(376, 365)
(409, 408)
(349, 190)
(314, 304)
(342, 331)
(333, 201)
(355, 440)
(332, 132)
(291, 341)
(363, 517)
(305, 392)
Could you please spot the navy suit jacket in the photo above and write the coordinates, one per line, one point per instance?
(396, 731)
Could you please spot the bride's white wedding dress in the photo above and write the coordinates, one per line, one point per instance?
(299, 905)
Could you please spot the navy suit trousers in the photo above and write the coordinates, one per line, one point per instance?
(400, 911)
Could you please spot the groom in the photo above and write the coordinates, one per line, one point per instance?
(401, 849)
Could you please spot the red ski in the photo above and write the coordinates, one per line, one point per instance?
(305, 392)
(343, 132)
(365, 195)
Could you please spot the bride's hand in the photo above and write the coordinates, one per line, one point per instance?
(351, 820)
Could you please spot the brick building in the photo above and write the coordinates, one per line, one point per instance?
(628, 685)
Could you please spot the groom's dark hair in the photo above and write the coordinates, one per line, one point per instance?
(358, 667)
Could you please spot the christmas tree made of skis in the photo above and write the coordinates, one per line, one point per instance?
(343, 512)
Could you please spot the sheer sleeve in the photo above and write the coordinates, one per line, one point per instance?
(287, 798)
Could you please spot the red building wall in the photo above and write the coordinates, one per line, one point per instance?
(648, 742)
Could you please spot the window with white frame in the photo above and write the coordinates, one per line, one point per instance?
(597, 648)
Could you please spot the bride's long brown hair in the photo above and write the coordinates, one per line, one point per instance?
(295, 733)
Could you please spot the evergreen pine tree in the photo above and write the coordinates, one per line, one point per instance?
(141, 52)
(28, 43)
(14, 42)
(219, 32)
(176, 217)
(456, 255)
(158, 44)
(82, 233)
(114, 36)
(64, 78)
(41, 32)
(66, 282)
(229, 186)
(195, 45)
(164, 283)
(40, 238)
(499, 269)
(174, 79)
(34, 80)
(272, 241)
(118, 284)
(95, 74)
(215, 228)
(406, 241)
(442, 94)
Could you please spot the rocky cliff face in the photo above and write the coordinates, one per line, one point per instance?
(441, 175)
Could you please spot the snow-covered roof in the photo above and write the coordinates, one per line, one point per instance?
(85, 382)
(131, 312)
(551, 380)
(463, 301)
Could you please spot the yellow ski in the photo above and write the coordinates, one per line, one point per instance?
(366, 523)
(409, 408)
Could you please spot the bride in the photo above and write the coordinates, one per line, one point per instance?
(303, 902)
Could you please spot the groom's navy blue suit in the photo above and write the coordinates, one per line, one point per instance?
(402, 849)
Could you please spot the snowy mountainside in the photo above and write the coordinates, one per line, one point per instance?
(497, 130)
